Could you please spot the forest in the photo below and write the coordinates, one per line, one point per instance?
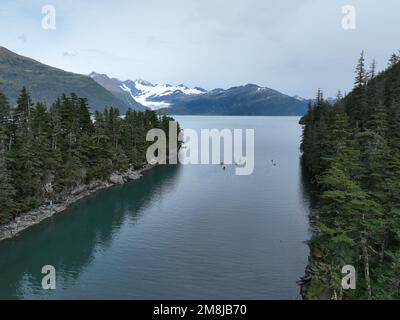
(352, 151)
(46, 152)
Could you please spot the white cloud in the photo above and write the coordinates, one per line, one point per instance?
(290, 45)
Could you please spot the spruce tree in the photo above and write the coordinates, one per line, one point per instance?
(7, 191)
(353, 153)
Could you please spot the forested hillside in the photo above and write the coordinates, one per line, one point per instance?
(352, 150)
(46, 152)
(46, 83)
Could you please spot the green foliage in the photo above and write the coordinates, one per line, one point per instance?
(44, 154)
(352, 150)
(7, 192)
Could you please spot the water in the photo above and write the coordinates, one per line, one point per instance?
(180, 232)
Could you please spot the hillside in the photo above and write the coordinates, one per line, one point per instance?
(114, 86)
(352, 151)
(47, 83)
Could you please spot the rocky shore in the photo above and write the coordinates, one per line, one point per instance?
(305, 281)
(45, 211)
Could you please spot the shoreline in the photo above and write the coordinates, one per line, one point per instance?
(35, 216)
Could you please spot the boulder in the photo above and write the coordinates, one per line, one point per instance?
(116, 178)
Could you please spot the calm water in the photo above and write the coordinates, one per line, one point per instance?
(179, 232)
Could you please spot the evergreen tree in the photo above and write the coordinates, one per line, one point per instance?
(45, 154)
(358, 105)
(353, 153)
(5, 123)
(7, 192)
(361, 76)
(394, 59)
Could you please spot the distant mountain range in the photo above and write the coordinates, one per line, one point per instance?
(249, 99)
(46, 83)
(153, 96)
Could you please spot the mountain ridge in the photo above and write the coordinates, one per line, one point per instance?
(153, 96)
(249, 99)
(47, 83)
(113, 85)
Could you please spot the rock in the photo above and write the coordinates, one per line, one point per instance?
(78, 189)
(48, 186)
(310, 270)
(133, 175)
(116, 178)
(94, 184)
(64, 199)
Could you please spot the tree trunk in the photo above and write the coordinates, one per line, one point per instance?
(10, 143)
(382, 251)
(366, 270)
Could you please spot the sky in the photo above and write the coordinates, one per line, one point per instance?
(294, 46)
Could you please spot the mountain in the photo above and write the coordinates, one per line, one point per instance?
(157, 96)
(249, 99)
(161, 96)
(243, 100)
(153, 96)
(115, 86)
(46, 83)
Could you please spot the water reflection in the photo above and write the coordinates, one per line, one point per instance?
(308, 189)
(189, 232)
(87, 228)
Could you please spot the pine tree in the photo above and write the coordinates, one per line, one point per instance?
(360, 72)
(5, 123)
(7, 192)
(394, 59)
(350, 216)
(358, 107)
(353, 152)
(372, 70)
(42, 132)
(22, 116)
(45, 153)
(25, 165)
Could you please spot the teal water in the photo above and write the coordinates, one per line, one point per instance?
(180, 232)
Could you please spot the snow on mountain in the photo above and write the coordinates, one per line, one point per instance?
(249, 99)
(157, 96)
(144, 98)
(142, 93)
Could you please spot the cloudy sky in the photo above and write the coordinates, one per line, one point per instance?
(294, 46)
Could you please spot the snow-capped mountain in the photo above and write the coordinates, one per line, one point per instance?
(246, 100)
(153, 96)
(157, 96)
(249, 99)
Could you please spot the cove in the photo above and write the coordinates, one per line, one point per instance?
(179, 232)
